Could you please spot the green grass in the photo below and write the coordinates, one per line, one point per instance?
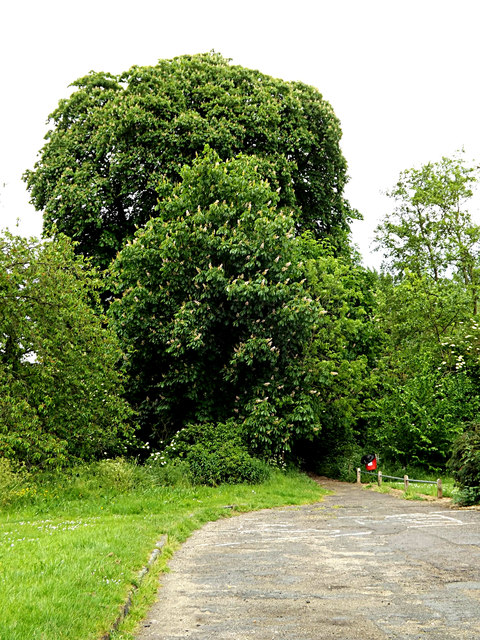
(416, 490)
(71, 547)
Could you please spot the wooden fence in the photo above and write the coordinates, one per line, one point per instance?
(406, 480)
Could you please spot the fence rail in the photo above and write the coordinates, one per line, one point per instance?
(406, 480)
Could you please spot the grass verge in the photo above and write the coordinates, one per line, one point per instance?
(71, 550)
(416, 490)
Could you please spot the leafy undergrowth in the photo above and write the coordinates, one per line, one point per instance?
(71, 547)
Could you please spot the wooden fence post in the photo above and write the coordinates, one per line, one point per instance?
(379, 478)
(405, 482)
(359, 479)
(439, 488)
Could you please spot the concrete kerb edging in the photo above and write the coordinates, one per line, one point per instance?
(141, 574)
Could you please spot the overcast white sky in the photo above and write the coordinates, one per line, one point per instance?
(402, 76)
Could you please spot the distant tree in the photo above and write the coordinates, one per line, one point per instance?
(60, 392)
(430, 232)
(212, 305)
(429, 381)
(118, 144)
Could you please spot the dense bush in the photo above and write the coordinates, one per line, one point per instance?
(465, 464)
(60, 388)
(215, 454)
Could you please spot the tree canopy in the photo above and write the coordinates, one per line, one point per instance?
(119, 141)
(428, 307)
(212, 300)
(60, 389)
(211, 196)
(430, 232)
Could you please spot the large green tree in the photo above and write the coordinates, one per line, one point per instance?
(427, 383)
(428, 302)
(212, 302)
(119, 141)
(60, 390)
(341, 356)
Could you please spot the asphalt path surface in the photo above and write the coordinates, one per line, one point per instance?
(359, 565)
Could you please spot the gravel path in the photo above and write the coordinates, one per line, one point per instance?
(359, 565)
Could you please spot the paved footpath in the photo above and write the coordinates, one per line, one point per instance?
(358, 566)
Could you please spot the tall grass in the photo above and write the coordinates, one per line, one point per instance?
(71, 546)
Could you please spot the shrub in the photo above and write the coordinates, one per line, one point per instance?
(465, 465)
(60, 385)
(215, 454)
